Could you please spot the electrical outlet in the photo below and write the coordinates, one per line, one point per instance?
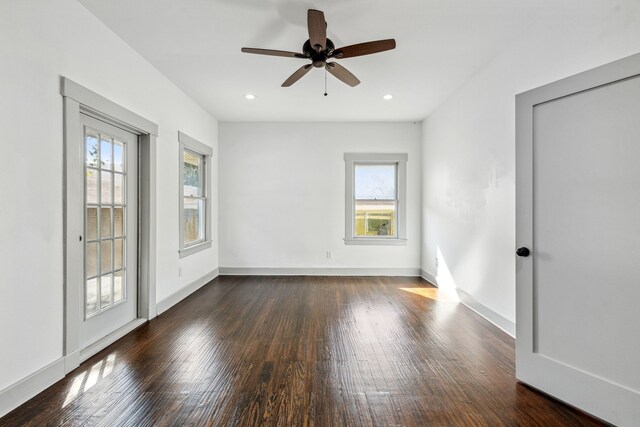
(179, 271)
(329, 255)
(436, 262)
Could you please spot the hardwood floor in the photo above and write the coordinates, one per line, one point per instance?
(298, 351)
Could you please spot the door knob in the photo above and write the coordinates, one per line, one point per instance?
(523, 252)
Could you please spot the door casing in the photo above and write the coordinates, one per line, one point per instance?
(80, 100)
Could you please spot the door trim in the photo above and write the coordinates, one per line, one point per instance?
(528, 366)
(78, 99)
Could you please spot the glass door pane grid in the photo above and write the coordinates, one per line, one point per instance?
(105, 157)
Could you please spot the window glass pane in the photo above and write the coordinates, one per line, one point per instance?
(105, 186)
(118, 189)
(105, 256)
(92, 259)
(375, 182)
(105, 222)
(118, 254)
(118, 221)
(105, 153)
(193, 220)
(91, 150)
(92, 295)
(92, 186)
(118, 286)
(105, 290)
(92, 223)
(192, 174)
(375, 218)
(118, 156)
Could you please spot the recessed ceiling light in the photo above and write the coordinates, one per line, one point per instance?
(387, 97)
(250, 96)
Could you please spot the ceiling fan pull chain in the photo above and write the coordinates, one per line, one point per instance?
(325, 81)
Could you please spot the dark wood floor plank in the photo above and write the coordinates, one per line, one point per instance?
(303, 351)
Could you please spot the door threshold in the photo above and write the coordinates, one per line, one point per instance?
(114, 336)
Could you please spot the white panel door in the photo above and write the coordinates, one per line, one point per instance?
(110, 285)
(578, 292)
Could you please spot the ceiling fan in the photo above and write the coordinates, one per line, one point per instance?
(319, 49)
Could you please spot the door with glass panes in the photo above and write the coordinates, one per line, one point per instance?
(110, 285)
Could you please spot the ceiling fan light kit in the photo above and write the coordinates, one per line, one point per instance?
(319, 49)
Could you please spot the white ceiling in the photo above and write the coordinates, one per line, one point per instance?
(440, 44)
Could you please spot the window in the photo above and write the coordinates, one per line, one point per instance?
(195, 215)
(375, 199)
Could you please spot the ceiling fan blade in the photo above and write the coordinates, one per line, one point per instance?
(272, 52)
(361, 49)
(297, 75)
(342, 74)
(317, 29)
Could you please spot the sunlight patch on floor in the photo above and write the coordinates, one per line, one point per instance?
(89, 378)
(434, 294)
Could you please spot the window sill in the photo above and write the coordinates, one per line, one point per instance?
(375, 241)
(195, 248)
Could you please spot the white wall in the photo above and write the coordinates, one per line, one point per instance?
(469, 146)
(282, 194)
(41, 40)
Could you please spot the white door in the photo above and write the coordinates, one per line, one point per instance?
(110, 285)
(578, 213)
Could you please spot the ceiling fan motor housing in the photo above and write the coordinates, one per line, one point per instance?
(319, 59)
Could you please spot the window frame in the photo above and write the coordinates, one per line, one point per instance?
(400, 161)
(194, 146)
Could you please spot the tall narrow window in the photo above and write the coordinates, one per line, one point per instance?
(195, 233)
(375, 198)
(194, 199)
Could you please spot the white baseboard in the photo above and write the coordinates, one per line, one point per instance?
(18, 393)
(178, 296)
(267, 271)
(429, 277)
(501, 322)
